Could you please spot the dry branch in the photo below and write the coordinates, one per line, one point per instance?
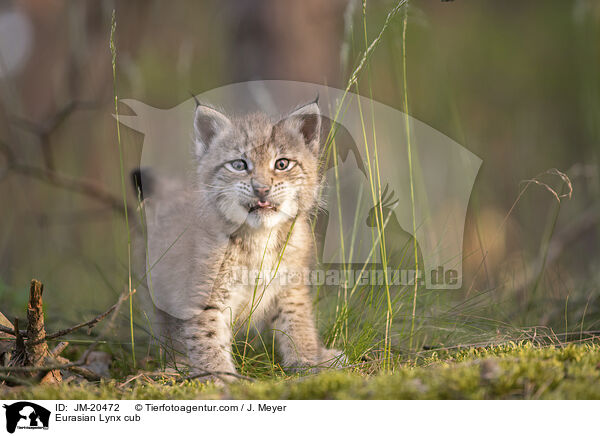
(90, 323)
(37, 348)
(60, 333)
(59, 348)
(48, 367)
(19, 344)
(79, 370)
(10, 331)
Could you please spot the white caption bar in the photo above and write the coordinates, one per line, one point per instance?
(298, 417)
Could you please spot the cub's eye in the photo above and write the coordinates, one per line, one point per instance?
(237, 166)
(284, 164)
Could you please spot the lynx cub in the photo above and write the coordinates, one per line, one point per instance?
(257, 183)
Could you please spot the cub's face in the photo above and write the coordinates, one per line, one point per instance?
(255, 171)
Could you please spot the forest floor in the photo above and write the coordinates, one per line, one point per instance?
(509, 371)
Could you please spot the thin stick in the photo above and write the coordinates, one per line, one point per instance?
(56, 351)
(89, 323)
(83, 359)
(80, 370)
(40, 368)
(19, 343)
(4, 329)
(120, 302)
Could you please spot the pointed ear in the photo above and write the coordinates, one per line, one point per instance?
(208, 124)
(306, 120)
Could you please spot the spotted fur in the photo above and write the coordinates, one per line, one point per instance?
(224, 231)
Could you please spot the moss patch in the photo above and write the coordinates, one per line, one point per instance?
(510, 371)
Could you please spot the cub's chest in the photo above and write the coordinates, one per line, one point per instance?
(252, 269)
(259, 252)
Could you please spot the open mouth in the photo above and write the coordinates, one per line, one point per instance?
(263, 205)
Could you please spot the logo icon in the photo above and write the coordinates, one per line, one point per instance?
(26, 415)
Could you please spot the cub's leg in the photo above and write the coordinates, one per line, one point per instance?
(208, 340)
(296, 335)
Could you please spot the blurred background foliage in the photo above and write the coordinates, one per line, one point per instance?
(517, 83)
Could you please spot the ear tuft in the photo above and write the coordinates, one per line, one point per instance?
(208, 124)
(307, 119)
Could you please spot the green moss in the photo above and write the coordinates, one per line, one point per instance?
(503, 372)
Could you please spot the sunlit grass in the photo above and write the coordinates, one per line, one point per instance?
(113, 51)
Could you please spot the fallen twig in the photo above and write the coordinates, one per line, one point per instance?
(89, 323)
(56, 351)
(63, 363)
(40, 368)
(19, 355)
(80, 370)
(66, 331)
(10, 331)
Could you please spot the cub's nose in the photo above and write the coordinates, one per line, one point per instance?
(260, 189)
